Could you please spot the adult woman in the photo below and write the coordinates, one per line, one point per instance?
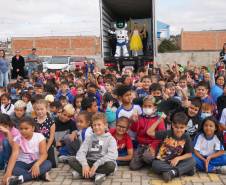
(4, 70)
(223, 53)
(18, 65)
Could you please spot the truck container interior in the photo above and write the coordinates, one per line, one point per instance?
(130, 10)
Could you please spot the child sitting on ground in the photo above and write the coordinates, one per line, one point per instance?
(174, 157)
(6, 106)
(7, 133)
(28, 158)
(97, 154)
(147, 145)
(209, 149)
(124, 142)
(47, 127)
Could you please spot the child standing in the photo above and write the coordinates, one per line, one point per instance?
(97, 154)
(208, 148)
(28, 158)
(7, 133)
(124, 142)
(147, 145)
(46, 126)
(174, 157)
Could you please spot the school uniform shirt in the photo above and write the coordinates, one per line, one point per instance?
(7, 109)
(172, 146)
(44, 127)
(29, 149)
(207, 146)
(139, 131)
(121, 111)
(123, 144)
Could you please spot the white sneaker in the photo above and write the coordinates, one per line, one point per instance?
(76, 175)
(221, 169)
(65, 158)
(99, 178)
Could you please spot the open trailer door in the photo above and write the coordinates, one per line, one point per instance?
(133, 11)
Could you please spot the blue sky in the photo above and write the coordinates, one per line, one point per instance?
(71, 17)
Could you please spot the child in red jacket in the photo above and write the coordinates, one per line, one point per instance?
(147, 145)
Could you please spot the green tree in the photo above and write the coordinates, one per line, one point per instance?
(167, 45)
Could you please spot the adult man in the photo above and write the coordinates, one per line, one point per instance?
(32, 61)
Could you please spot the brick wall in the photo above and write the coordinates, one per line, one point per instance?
(58, 46)
(203, 40)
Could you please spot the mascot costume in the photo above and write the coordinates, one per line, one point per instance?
(122, 38)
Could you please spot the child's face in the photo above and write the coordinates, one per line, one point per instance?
(201, 92)
(81, 122)
(209, 128)
(93, 108)
(127, 97)
(63, 102)
(19, 112)
(64, 116)
(40, 110)
(178, 129)
(108, 87)
(183, 83)
(25, 99)
(64, 87)
(92, 90)
(171, 91)
(156, 93)
(4, 101)
(99, 127)
(193, 110)
(128, 81)
(146, 83)
(122, 127)
(78, 102)
(26, 130)
(80, 91)
(206, 77)
(220, 81)
(39, 91)
(53, 109)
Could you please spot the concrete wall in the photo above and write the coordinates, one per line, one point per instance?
(198, 58)
(202, 40)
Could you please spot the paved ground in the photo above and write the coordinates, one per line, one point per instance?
(62, 176)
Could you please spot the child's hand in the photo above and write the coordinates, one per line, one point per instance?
(110, 104)
(86, 172)
(208, 159)
(35, 171)
(174, 161)
(163, 115)
(134, 117)
(4, 179)
(92, 171)
(4, 130)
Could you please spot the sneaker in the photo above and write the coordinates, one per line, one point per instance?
(99, 178)
(14, 180)
(65, 158)
(76, 175)
(168, 176)
(191, 172)
(221, 170)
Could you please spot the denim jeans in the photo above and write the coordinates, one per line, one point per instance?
(219, 161)
(4, 79)
(22, 168)
(5, 154)
(31, 66)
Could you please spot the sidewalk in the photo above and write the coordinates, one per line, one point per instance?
(62, 176)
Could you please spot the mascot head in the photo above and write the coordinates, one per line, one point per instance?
(120, 24)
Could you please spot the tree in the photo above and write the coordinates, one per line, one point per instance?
(167, 45)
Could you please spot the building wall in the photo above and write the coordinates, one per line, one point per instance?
(58, 46)
(197, 58)
(203, 40)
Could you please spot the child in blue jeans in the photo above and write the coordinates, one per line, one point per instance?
(209, 149)
(7, 133)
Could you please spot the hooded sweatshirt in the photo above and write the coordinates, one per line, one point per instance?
(100, 149)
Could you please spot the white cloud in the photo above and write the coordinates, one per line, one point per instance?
(49, 17)
(193, 14)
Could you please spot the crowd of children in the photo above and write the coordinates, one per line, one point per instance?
(171, 119)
